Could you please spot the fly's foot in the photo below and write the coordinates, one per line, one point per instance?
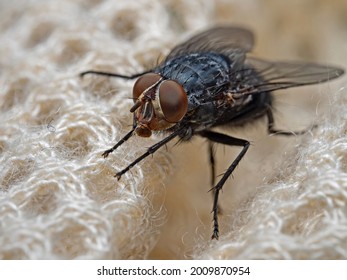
(119, 175)
(106, 153)
(215, 234)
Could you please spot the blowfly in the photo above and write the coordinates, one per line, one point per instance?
(210, 81)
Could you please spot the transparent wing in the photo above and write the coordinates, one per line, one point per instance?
(225, 40)
(264, 76)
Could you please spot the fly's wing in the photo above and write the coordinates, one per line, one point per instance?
(264, 76)
(232, 42)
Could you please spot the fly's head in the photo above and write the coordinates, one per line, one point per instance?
(159, 103)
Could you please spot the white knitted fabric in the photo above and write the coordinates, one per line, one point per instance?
(58, 196)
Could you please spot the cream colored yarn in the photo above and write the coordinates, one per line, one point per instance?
(58, 196)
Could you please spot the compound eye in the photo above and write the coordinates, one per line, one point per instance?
(173, 101)
(143, 83)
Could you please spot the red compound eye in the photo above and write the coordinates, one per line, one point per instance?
(143, 83)
(173, 101)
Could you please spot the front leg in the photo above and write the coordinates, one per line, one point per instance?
(121, 141)
(230, 141)
(151, 150)
(109, 74)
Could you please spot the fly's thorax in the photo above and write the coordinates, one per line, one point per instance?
(159, 103)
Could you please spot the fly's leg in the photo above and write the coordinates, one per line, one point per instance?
(211, 153)
(120, 142)
(271, 130)
(230, 141)
(212, 162)
(150, 150)
(108, 74)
